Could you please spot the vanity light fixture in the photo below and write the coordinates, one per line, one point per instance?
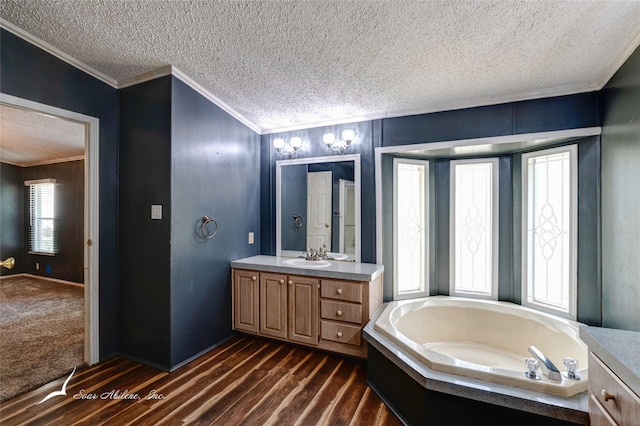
(342, 145)
(287, 148)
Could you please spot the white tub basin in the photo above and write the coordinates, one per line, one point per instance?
(303, 263)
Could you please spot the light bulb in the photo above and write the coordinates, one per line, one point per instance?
(278, 143)
(328, 138)
(295, 142)
(348, 135)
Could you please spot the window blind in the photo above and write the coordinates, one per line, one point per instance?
(43, 223)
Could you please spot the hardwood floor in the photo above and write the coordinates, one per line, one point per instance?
(245, 381)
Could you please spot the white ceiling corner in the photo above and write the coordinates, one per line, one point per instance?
(279, 66)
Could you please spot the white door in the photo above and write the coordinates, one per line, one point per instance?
(319, 190)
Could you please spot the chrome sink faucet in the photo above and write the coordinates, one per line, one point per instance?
(311, 254)
(548, 367)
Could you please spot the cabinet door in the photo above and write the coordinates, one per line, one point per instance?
(245, 300)
(273, 305)
(303, 309)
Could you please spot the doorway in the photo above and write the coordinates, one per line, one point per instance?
(90, 209)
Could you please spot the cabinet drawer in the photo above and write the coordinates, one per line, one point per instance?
(622, 404)
(341, 290)
(340, 311)
(341, 333)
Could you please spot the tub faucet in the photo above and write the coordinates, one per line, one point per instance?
(548, 367)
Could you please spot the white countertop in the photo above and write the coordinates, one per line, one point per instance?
(337, 269)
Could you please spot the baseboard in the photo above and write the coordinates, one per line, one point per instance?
(39, 277)
(174, 368)
(199, 354)
(55, 280)
(13, 276)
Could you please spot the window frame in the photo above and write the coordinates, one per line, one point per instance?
(34, 237)
(425, 291)
(495, 181)
(571, 312)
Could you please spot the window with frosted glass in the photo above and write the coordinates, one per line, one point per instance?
(473, 227)
(410, 227)
(549, 197)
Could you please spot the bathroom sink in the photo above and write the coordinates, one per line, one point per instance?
(303, 263)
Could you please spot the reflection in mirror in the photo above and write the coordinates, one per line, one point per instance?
(318, 206)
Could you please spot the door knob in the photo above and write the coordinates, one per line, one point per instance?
(327, 225)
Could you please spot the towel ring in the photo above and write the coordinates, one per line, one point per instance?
(297, 221)
(203, 231)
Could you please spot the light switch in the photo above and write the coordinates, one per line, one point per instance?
(250, 237)
(156, 211)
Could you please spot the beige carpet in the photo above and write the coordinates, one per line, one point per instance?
(41, 333)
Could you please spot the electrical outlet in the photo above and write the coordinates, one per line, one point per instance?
(37, 266)
(250, 237)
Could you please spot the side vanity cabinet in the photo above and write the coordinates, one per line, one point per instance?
(614, 376)
(611, 402)
(326, 313)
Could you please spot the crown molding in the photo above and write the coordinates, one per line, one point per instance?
(214, 99)
(620, 58)
(145, 76)
(131, 81)
(57, 53)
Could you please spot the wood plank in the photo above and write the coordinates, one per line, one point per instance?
(317, 409)
(369, 409)
(246, 380)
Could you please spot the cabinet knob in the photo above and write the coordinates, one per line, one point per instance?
(254, 278)
(339, 333)
(290, 282)
(281, 280)
(339, 313)
(606, 395)
(339, 291)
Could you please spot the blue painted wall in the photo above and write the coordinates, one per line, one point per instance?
(144, 314)
(215, 172)
(621, 197)
(366, 133)
(540, 115)
(30, 73)
(180, 151)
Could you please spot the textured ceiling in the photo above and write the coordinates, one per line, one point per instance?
(288, 64)
(28, 138)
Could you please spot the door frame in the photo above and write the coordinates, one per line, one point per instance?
(91, 216)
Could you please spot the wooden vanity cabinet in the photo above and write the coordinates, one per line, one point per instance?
(276, 305)
(245, 300)
(611, 402)
(325, 313)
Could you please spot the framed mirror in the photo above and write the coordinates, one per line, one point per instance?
(318, 204)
